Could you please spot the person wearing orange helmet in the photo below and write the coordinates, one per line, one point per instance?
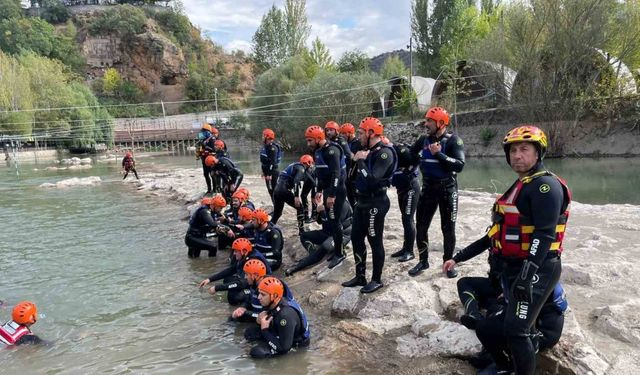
(331, 174)
(374, 170)
(268, 238)
(17, 331)
(220, 149)
(233, 276)
(203, 223)
(254, 271)
(129, 165)
(282, 326)
(228, 175)
(441, 157)
(237, 220)
(270, 158)
(204, 148)
(348, 131)
(289, 189)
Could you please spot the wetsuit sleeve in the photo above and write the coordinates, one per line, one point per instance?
(473, 250)
(453, 160)
(333, 162)
(240, 284)
(275, 239)
(381, 166)
(416, 149)
(229, 271)
(272, 155)
(544, 204)
(284, 325)
(29, 339)
(300, 174)
(208, 144)
(347, 149)
(123, 160)
(206, 217)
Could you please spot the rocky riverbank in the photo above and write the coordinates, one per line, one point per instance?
(411, 326)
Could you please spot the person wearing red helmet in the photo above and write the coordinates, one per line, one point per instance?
(268, 238)
(232, 277)
(332, 133)
(282, 326)
(17, 331)
(227, 174)
(441, 157)
(203, 223)
(375, 167)
(289, 189)
(206, 147)
(129, 165)
(270, 158)
(331, 174)
(220, 149)
(237, 220)
(254, 271)
(529, 224)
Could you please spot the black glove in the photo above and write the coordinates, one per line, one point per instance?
(521, 288)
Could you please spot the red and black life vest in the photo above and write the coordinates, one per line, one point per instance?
(11, 332)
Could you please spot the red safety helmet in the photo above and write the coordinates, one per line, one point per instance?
(245, 213)
(219, 143)
(206, 201)
(128, 154)
(245, 191)
(315, 132)
(438, 114)
(261, 216)
(332, 125)
(215, 132)
(306, 160)
(268, 134)
(24, 313)
(241, 195)
(242, 246)
(210, 161)
(218, 201)
(347, 129)
(273, 287)
(372, 124)
(255, 267)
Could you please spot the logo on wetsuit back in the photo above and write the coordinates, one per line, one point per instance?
(534, 246)
(522, 310)
(545, 188)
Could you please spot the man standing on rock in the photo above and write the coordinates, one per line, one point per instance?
(375, 165)
(529, 222)
(441, 158)
(270, 158)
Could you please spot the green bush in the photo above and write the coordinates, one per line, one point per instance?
(10, 9)
(123, 20)
(486, 135)
(55, 12)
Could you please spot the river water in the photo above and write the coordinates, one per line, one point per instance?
(116, 293)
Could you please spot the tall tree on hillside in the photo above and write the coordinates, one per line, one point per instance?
(420, 34)
(353, 61)
(281, 35)
(320, 54)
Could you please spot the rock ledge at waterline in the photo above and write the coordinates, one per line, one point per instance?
(418, 316)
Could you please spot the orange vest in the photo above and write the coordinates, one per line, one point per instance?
(11, 332)
(511, 231)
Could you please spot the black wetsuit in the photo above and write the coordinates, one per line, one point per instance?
(354, 146)
(270, 243)
(231, 219)
(331, 174)
(201, 223)
(129, 165)
(405, 180)
(309, 187)
(288, 188)
(207, 148)
(372, 180)
(229, 175)
(270, 157)
(285, 332)
(320, 242)
(439, 190)
(233, 278)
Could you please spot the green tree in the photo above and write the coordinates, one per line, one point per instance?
(297, 27)
(420, 34)
(10, 9)
(353, 61)
(320, 54)
(53, 11)
(112, 81)
(393, 67)
(123, 20)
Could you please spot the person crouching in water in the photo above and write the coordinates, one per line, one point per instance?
(129, 165)
(18, 330)
(281, 327)
(254, 271)
(204, 220)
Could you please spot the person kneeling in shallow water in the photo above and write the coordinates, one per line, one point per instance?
(254, 271)
(18, 330)
(282, 326)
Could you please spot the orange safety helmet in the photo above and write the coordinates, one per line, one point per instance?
(215, 132)
(332, 125)
(526, 133)
(218, 201)
(245, 191)
(261, 216)
(372, 124)
(128, 154)
(255, 267)
(306, 160)
(314, 132)
(347, 129)
(268, 134)
(242, 246)
(210, 161)
(206, 201)
(241, 195)
(24, 313)
(219, 143)
(273, 287)
(438, 114)
(206, 127)
(245, 213)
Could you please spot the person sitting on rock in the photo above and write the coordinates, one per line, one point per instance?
(203, 223)
(17, 331)
(254, 271)
(129, 165)
(268, 239)
(319, 243)
(233, 276)
(282, 326)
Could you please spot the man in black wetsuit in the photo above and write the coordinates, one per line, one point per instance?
(375, 166)
(405, 180)
(348, 131)
(441, 157)
(202, 224)
(129, 165)
(282, 326)
(254, 271)
(330, 176)
(268, 238)
(289, 187)
(529, 222)
(227, 173)
(270, 158)
(206, 147)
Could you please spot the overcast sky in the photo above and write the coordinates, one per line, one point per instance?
(373, 26)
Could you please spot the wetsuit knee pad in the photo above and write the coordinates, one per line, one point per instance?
(261, 350)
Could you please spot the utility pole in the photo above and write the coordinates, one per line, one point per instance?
(215, 94)
(411, 73)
